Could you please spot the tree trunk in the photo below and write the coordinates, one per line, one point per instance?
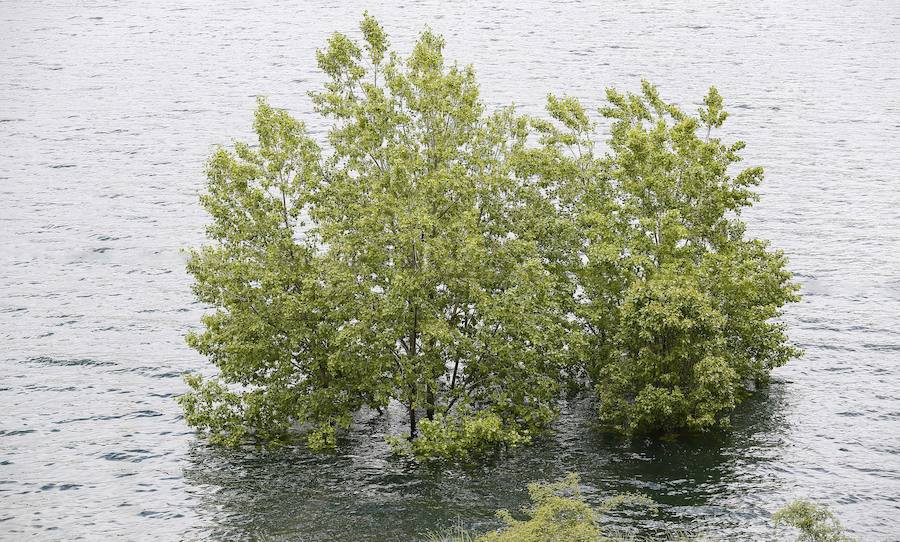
(412, 423)
(429, 398)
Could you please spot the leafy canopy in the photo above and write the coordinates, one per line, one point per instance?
(471, 266)
(680, 308)
(405, 265)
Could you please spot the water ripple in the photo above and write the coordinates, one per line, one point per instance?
(109, 111)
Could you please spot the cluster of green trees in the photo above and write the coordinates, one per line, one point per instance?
(475, 266)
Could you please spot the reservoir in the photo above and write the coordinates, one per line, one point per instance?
(109, 110)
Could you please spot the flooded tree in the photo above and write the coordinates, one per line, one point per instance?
(406, 265)
(471, 266)
(680, 307)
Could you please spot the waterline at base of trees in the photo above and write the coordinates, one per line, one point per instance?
(476, 267)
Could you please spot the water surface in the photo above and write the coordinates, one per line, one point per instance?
(109, 109)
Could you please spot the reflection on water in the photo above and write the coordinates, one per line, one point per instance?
(363, 490)
(108, 111)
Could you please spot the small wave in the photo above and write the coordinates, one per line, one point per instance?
(881, 347)
(131, 456)
(161, 515)
(44, 387)
(16, 433)
(152, 372)
(127, 415)
(84, 362)
(60, 487)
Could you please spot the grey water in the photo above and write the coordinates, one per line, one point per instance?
(109, 109)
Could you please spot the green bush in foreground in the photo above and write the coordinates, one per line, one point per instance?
(815, 522)
(559, 514)
(552, 517)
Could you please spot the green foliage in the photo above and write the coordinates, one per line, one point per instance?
(815, 522)
(274, 318)
(552, 517)
(463, 437)
(680, 309)
(407, 265)
(441, 257)
(559, 514)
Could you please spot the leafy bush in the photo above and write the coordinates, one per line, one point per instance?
(558, 514)
(815, 522)
(461, 438)
(552, 518)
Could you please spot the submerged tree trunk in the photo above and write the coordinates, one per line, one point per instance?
(429, 399)
(413, 392)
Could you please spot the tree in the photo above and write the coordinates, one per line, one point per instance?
(276, 316)
(442, 258)
(409, 264)
(681, 309)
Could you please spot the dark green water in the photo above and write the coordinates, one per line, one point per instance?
(364, 491)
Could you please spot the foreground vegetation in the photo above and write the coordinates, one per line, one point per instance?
(559, 514)
(477, 266)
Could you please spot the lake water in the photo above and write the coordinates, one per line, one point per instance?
(109, 109)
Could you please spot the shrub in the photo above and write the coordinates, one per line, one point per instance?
(815, 522)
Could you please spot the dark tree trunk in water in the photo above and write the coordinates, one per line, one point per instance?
(429, 397)
(412, 423)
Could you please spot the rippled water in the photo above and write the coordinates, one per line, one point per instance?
(109, 109)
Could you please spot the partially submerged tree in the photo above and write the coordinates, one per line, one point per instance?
(440, 257)
(278, 317)
(406, 265)
(699, 308)
(680, 308)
